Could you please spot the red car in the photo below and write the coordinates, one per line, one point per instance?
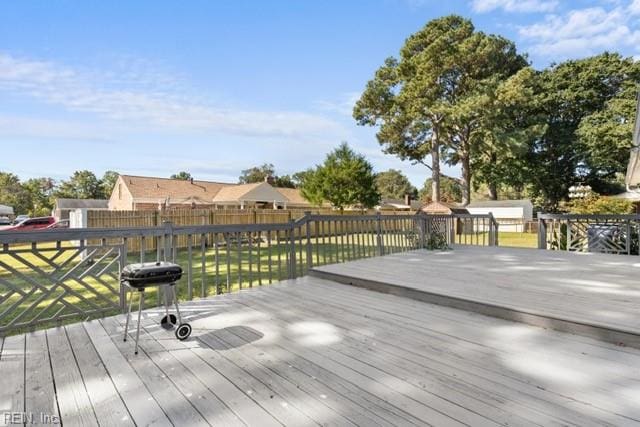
(31, 224)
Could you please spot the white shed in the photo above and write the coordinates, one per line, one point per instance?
(510, 214)
(6, 210)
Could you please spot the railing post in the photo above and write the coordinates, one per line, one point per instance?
(379, 234)
(542, 233)
(309, 250)
(292, 250)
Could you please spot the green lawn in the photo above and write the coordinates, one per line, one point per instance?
(521, 240)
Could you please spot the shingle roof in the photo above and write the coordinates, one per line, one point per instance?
(499, 203)
(257, 192)
(293, 195)
(142, 187)
(82, 204)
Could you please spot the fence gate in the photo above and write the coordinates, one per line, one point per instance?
(50, 282)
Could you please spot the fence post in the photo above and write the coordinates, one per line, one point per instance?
(292, 251)
(423, 229)
(379, 234)
(493, 231)
(542, 233)
(307, 218)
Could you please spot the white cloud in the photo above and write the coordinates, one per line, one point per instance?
(484, 6)
(146, 100)
(343, 106)
(587, 31)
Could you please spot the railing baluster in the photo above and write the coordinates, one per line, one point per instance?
(239, 249)
(203, 266)
(217, 262)
(279, 254)
(259, 258)
(189, 268)
(269, 264)
(227, 241)
(250, 244)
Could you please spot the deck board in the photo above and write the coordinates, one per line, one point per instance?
(311, 352)
(594, 294)
(40, 396)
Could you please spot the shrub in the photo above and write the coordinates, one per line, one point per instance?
(601, 205)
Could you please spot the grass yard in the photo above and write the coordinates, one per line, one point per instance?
(520, 240)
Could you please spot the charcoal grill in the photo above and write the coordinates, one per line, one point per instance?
(138, 277)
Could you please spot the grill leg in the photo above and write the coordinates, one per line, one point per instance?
(126, 325)
(166, 300)
(175, 302)
(140, 308)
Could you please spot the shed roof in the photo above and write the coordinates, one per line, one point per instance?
(6, 210)
(82, 204)
(521, 203)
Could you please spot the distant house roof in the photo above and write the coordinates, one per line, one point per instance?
(6, 210)
(81, 204)
(500, 203)
(159, 189)
(258, 192)
(193, 192)
(441, 208)
(400, 204)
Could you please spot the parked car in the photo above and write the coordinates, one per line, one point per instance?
(19, 219)
(32, 224)
(4, 220)
(59, 224)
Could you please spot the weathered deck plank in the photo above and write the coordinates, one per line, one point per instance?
(105, 399)
(73, 400)
(311, 352)
(140, 403)
(489, 380)
(595, 295)
(12, 373)
(40, 396)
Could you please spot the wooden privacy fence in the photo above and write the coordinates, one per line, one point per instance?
(615, 234)
(128, 219)
(72, 274)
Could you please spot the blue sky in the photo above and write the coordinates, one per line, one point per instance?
(155, 87)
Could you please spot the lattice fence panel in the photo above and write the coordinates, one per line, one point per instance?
(49, 284)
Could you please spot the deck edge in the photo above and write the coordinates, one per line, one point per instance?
(598, 332)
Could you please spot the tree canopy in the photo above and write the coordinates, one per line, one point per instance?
(450, 190)
(345, 179)
(436, 97)
(393, 184)
(82, 185)
(182, 175)
(257, 173)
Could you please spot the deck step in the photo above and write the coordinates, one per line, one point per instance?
(593, 330)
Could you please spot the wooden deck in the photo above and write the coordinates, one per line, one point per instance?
(595, 295)
(314, 352)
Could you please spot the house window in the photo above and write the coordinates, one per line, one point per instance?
(119, 191)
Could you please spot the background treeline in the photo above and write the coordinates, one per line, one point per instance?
(466, 98)
(36, 196)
